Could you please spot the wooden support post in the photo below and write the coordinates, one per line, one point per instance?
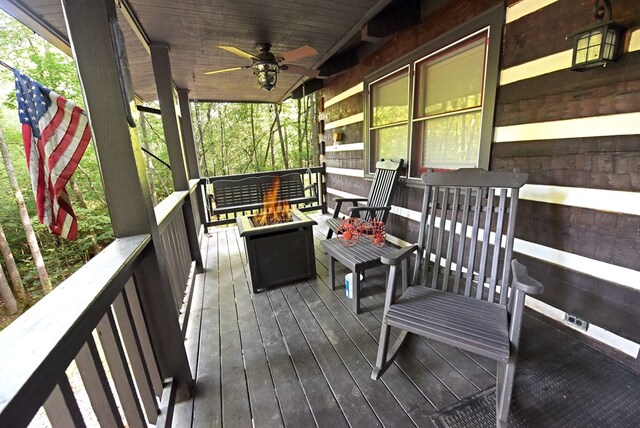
(125, 182)
(169, 108)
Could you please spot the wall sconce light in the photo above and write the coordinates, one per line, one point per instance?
(600, 43)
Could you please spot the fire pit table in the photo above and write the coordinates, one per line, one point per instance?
(279, 253)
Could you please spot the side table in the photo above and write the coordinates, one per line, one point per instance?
(358, 258)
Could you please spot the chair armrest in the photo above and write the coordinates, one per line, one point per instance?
(351, 199)
(522, 281)
(396, 257)
(339, 202)
(372, 210)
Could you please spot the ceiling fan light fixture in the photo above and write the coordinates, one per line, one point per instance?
(267, 74)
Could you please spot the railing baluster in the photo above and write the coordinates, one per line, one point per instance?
(96, 384)
(143, 336)
(62, 408)
(134, 351)
(116, 359)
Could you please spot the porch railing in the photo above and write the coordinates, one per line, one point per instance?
(312, 179)
(98, 319)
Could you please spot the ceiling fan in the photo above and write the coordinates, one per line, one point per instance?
(266, 65)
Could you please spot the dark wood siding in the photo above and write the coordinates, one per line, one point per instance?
(610, 163)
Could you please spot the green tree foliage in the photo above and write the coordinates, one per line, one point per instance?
(242, 138)
(21, 48)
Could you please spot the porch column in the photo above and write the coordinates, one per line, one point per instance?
(191, 151)
(123, 173)
(173, 136)
(168, 107)
(187, 135)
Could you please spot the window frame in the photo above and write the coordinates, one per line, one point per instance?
(491, 22)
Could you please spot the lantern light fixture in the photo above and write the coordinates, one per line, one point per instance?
(267, 74)
(600, 43)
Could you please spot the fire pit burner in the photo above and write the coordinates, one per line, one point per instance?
(279, 253)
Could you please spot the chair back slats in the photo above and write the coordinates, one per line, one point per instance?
(451, 238)
(485, 243)
(440, 237)
(464, 217)
(497, 246)
(477, 209)
(384, 181)
(461, 243)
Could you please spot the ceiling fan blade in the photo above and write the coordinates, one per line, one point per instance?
(296, 69)
(301, 52)
(239, 52)
(224, 70)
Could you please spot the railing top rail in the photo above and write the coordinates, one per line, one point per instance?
(38, 346)
(168, 205)
(312, 169)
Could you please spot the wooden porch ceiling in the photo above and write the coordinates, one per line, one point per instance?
(194, 28)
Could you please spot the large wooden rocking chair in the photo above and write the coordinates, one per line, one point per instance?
(462, 293)
(377, 204)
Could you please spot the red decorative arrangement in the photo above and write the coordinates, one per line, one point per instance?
(352, 228)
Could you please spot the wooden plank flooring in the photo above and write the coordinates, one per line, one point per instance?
(297, 356)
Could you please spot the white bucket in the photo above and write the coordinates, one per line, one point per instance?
(348, 284)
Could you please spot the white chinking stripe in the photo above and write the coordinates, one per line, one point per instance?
(345, 171)
(349, 120)
(537, 67)
(550, 63)
(595, 332)
(344, 147)
(524, 8)
(595, 126)
(344, 95)
(596, 199)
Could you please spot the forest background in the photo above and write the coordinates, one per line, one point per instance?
(231, 139)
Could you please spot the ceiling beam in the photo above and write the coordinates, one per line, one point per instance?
(134, 23)
(397, 16)
(345, 39)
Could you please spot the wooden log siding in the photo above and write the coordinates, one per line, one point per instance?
(543, 32)
(607, 162)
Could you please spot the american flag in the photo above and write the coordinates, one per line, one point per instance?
(55, 134)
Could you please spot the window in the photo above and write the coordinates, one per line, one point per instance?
(448, 111)
(434, 108)
(388, 128)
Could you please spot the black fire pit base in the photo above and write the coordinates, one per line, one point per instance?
(279, 254)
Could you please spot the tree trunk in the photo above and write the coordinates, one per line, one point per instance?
(95, 190)
(6, 294)
(150, 167)
(285, 156)
(222, 144)
(78, 194)
(300, 155)
(45, 282)
(254, 143)
(12, 268)
(306, 131)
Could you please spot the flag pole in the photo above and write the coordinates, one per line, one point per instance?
(5, 65)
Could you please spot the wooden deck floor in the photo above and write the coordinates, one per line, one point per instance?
(296, 355)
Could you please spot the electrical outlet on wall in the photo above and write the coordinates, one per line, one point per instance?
(576, 322)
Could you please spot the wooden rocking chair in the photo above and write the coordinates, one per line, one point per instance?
(462, 293)
(377, 208)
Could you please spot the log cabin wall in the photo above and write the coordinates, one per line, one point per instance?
(575, 133)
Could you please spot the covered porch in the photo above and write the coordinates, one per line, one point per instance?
(162, 324)
(296, 355)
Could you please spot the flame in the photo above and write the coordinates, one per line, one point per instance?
(273, 211)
